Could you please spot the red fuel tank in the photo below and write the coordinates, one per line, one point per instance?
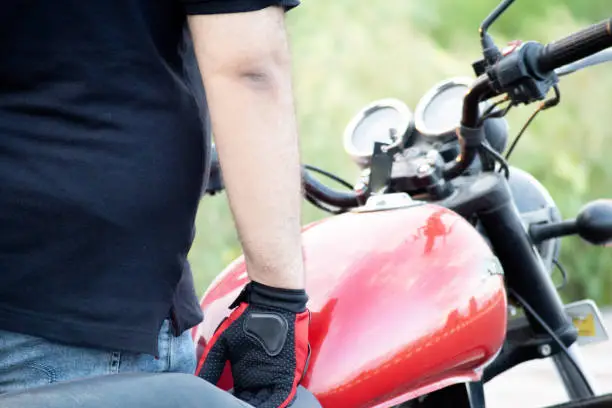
(404, 302)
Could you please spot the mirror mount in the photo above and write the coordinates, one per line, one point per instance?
(490, 51)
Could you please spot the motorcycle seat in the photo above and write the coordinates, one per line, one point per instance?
(146, 390)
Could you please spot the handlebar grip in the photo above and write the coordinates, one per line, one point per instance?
(576, 46)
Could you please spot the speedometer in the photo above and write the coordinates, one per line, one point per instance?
(438, 113)
(387, 121)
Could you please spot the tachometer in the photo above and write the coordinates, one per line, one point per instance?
(386, 120)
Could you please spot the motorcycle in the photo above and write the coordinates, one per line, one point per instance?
(433, 274)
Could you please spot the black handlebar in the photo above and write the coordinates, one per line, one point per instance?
(576, 46)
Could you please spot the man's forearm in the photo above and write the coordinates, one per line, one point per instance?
(253, 119)
(257, 144)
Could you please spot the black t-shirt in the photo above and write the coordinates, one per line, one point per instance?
(103, 149)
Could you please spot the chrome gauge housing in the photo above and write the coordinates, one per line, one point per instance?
(386, 120)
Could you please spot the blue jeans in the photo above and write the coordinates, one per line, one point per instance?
(28, 362)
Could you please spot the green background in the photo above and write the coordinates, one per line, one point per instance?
(349, 53)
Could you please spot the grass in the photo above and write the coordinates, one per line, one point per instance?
(347, 54)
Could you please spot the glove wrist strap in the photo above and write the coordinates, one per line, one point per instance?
(258, 294)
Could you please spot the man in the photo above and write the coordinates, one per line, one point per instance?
(102, 157)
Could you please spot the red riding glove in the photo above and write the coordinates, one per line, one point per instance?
(265, 339)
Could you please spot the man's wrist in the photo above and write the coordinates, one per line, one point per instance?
(286, 274)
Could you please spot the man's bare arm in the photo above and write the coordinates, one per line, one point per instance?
(245, 63)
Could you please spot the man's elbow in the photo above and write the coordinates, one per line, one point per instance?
(266, 70)
(252, 48)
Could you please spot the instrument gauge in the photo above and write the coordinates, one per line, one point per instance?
(387, 121)
(438, 113)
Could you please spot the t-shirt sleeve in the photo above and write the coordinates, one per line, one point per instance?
(234, 6)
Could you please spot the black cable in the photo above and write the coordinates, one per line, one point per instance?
(330, 175)
(518, 137)
(317, 203)
(499, 158)
(499, 113)
(563, 272)
(554, 101)
(491, 112)
(495, 105)
(553, 335)
(323, 207)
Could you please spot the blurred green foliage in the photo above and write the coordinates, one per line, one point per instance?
(445, 20)
(349, 53)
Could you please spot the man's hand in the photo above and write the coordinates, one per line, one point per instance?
(265, 339)
(245, 63)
